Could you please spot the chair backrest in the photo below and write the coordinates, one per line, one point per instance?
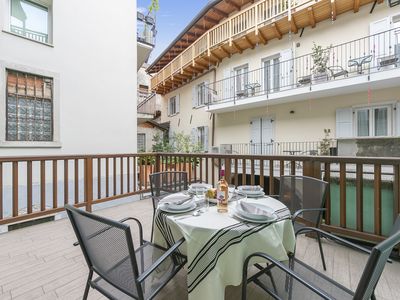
(376, 263)
(300, 192)
(108, 248)
(168, 182)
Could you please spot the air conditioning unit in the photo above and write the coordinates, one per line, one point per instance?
(226, 149)
(214, 149)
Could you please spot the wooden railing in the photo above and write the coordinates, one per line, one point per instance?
(362, 203)
(249, 19)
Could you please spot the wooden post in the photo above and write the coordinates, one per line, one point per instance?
(88, 179)
(312, 169)
(158, 163)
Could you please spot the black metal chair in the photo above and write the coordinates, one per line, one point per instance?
(122, 270)
(166, 183)
(305, 197)
(307, 283)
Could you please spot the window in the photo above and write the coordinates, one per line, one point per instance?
(141, 142)
(30, 19)
(29, 102)
(200, 137)
(241, 78)
(200, 94)
(373, 121)
(173, 105)
(271, 74)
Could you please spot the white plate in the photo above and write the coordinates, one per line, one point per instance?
(179, 207)
(200, 185)
(167, 209)
(259, 195)
(250, 189)
(257, 217)
(237, 215)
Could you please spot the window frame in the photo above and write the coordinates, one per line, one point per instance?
(47, 4)
(144, 141)
(171, 100)
(201, 92)
(56, 143)
(244, 75)
(371, 126)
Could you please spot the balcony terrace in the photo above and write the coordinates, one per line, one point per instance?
(147, 108)
(370, 62)
(263, 21)
(40, 262)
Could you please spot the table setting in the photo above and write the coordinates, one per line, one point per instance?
(218, 243)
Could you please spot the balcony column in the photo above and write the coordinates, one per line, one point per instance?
(230, 32)
(208, 44)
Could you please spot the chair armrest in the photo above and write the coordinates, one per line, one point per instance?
(300, 211)
(288, 271)
(139, 225)
(157, 263)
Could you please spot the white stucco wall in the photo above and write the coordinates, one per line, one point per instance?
(94, 58)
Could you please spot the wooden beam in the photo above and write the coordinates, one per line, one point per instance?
(356, 6)
(210, 20)
(220, 12)
(262, 38)
(249, 42)
(293, 26)
(198, 70)
(311, 17)
(205, 66)
(237, 48)
(333, 9)
(201, 27)
(231, 3)
(214, 56)
(225, 51)
(276, 30)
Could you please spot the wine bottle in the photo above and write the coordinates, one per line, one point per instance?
(222, 193)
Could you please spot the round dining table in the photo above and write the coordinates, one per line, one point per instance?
(218, 243)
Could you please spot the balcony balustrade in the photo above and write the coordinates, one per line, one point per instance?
(30, 34)
(364, 56)
(363, 201)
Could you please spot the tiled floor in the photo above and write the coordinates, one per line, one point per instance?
(39, 262)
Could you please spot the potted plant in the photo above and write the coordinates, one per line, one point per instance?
(325, 144)
(320, 58)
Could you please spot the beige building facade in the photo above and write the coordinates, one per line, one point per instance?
(273, 94)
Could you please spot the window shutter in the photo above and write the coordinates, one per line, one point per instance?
(397, 119)
(205, 138)
(193, 136)
(178, 103)
(228, 85)
(344, 123)
(169, 107)
(286, 69)
(194, 96)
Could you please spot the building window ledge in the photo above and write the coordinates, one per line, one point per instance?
(28, 39)
(16, 144)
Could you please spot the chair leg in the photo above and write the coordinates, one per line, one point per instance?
(321, 251)
(85, 295)
(269, 274)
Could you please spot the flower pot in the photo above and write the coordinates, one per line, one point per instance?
(319, 77)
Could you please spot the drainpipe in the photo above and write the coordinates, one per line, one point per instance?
(213, 115)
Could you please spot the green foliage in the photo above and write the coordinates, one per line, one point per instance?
(325, 144)
(320, 58)
(178, 143)
(154, 6)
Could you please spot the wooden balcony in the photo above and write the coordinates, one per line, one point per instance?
(40, 262)
(263, 21)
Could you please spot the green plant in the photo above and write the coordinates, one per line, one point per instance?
(320, 58)
(325, 144)
(154, 6)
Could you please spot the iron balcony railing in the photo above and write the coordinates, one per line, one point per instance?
(282, 148)
(30, 34)
(148, 104)
(146, 29)
(364, 56)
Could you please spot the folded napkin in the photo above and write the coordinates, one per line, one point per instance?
(177, 198)
(257, 209)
